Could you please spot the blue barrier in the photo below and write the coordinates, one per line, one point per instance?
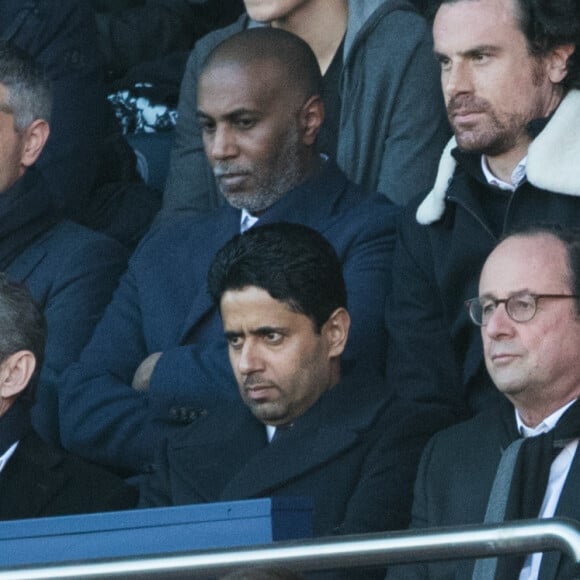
(154, 531)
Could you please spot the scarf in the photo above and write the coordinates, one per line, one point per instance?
(531, 473)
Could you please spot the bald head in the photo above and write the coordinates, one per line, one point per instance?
(290, 55)
(260, 111)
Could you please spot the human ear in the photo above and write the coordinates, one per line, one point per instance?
(15, 373)
(35, 138)
(558, 62)
(311, 118)
(336, 330)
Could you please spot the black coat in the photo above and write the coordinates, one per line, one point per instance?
(453, 486)
(350, 453)
(40, 481)
(435, 354)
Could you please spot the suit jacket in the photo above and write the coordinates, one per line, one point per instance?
(40, 480)
(349, 452)
(453, 484)
(71, 272)
(162, 305)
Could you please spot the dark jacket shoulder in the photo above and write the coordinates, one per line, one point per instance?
(40, 480)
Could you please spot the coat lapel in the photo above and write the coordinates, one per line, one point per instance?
(313, 202)
(309, 444)
(208, 453)
(208, 237)
(26, 263)
(325, 431)
(226, 455)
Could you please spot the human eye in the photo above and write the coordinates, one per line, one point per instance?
(487, 306)
(235, 341)
(444, 62)
(480, 56)
(206, 125)
(273, 337)
(245, 122)
(522, 306)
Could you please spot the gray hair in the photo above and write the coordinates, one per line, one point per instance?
(22, 327)
(28, 94)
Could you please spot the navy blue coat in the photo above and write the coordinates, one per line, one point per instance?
(71, 272)
(162, 305)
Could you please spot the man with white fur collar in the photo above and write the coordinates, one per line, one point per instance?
(510, 75)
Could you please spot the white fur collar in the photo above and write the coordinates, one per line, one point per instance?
(553, 160)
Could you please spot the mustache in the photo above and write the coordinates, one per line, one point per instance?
(254, 379)
(467, 103)
(220, 169)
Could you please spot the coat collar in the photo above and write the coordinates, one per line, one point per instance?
(211, 459)
(552, 160)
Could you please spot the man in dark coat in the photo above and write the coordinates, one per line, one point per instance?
(302, 426)
(36, 479)
(161, 333)
(528, 312)
(70, 270)
(513, 161)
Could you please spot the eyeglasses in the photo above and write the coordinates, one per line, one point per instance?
(519, 307)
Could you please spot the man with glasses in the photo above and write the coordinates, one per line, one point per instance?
(510, 74)
(517, 460)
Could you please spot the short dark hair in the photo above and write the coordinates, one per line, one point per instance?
(569, 236)
(22, 327)
(546, 24)
(291, 54)
(28, 92)
(293, 263)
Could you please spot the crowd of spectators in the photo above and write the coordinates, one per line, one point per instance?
(144, 143)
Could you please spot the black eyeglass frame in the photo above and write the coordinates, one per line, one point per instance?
(506, 302)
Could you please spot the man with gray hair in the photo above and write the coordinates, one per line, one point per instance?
(70, 270)
(35, 479)
(518, 460)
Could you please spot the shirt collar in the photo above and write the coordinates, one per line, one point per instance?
(247, 220)
(518, 175)
(270, 431)
(546, 425)
(7, 455)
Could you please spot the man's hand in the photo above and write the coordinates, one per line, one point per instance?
(142, 377)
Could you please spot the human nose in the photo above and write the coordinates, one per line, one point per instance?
(223, 144)
(499, 324)
(456, 79)
(250, 360)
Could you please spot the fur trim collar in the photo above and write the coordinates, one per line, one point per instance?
(553, 160)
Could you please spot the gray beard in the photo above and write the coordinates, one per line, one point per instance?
(273, 183)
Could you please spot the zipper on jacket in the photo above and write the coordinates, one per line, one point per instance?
(472, 214)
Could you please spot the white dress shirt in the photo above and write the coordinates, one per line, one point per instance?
(247, 221)
(518, 175)
(7, 455)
